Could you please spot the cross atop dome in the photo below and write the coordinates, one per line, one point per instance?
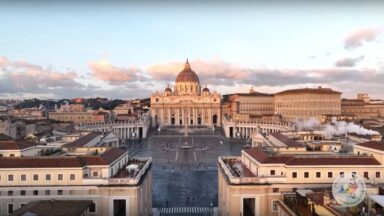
(187, 65)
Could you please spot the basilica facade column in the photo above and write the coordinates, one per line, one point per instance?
(169, 116)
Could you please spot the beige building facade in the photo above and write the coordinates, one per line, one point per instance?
(296, 104)
(106, 179)
(79, 117)
(187, 103)
(255, 182)
(363, 107)
(252, 103)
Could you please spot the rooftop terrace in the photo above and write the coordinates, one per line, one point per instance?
(132, 173)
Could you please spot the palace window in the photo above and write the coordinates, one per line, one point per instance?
(306, 174)
(294, 175)
(10, 208)
(72, 177)
(366, 175)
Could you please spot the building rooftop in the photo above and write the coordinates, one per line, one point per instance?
(238, 169)
(377, 145)
(106, 158)
(111, 155)
(132, 168)
(286, 140)
(250, 94)
(58, 207)
(310, 91)
(82, 141)
(16, 145)
(310, 160)
(4, 137)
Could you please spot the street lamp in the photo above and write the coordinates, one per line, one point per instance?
(238, 135)
(158, 129)
(213, 130)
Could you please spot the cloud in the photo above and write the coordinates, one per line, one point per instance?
(3, 61)
(103, 70)
(228, 78)
(21, 77)
(348, 62)
(356, 38)
(214, 72)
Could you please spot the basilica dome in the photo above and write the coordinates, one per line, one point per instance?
(187, 75)
(187, 82)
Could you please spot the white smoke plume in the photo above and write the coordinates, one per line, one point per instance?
(334, 128)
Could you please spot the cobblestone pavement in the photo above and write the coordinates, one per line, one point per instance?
(184, 168)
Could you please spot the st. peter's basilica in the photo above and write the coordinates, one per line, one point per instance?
(187, 103)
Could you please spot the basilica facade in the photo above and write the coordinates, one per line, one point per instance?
(187, 103)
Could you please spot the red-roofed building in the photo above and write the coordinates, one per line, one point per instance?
(100, 178)
(371, 148)
(270, 174)
(18, 148)
(281, 141)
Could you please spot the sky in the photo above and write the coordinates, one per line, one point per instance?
(70, 49)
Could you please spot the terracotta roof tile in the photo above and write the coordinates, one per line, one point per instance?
(329, 161)
(111, 155)
(258, 155)
(106, 158)
(286, 140)
(82, 141)
(292, 160)
(16, 145)
(59, 207)
(91, 161)
(40, 162)
(310, 90)
(378, 145)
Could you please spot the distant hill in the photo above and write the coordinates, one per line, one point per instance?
(94, 103)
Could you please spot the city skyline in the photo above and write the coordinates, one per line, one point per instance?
(133, 50)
